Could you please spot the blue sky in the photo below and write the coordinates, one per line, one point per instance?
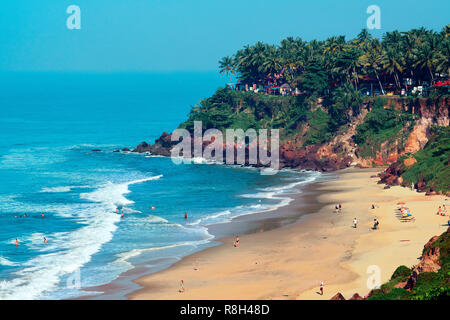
(188, 35)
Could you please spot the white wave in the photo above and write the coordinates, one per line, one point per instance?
(211, 217)
(69, 251)
(114, 194)
(6, 262)
(124, 257)
(278, 193)
(62, 189)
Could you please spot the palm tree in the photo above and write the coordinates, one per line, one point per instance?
(372, 60)
(442, 58)
(393, 64)
(227, 66)
(426, 54)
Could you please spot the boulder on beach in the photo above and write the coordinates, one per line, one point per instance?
(338, 296)
(356, 296)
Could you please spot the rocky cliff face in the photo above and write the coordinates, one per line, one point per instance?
(429, 262)
(341, 151)
(430, 112)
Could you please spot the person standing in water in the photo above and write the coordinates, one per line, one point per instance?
(185, 216)
(45, 240)
(17, 243)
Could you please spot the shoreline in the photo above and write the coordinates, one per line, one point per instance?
(303, 200)
(289, 261)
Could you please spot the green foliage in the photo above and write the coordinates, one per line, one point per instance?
(432, 164)
(394, 294)
(319, 130)
(315, 78)
(402, 272)
(381, 125)
(343, 102)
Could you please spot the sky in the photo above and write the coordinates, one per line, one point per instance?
(183, 35)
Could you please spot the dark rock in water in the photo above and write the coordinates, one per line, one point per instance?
(125, 149)
(116, 151)
(356, 296)
(142, 147)
(96, 150)
(338, 296)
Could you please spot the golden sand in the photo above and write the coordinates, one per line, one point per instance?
(290, 262)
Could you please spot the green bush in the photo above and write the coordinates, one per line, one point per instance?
(381, 125)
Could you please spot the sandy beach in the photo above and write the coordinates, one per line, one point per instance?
(290, 261)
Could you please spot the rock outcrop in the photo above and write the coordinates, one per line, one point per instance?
(429, 262)
(338, 296)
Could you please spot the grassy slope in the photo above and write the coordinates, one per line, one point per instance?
(432, 164)
(381, 125)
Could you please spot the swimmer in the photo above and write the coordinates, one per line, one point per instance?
(185, 216)
(17, 243)
(45, 240)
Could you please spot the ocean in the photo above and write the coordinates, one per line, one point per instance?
(51, 122)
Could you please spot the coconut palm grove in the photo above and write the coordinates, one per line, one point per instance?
(400, 63)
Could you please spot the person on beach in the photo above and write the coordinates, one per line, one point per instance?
(45, 240)
(340, 207)
(236, 242)
(181, 286)
(355, 223)
(439, 211)
(375, 224)
(196, 267)
(321, 288)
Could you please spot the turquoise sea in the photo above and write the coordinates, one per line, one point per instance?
(49, 124)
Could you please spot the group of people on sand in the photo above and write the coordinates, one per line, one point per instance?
(338, 208)
(442, 211)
